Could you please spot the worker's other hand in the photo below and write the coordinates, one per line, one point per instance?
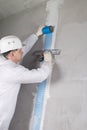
(47, 56)
(39, 31)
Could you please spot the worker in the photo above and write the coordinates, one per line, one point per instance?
(12, 74)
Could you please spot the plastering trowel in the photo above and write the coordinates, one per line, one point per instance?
(40, 56)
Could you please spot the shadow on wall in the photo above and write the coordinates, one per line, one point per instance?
(30, 60)
(24, 108)
(56, 74)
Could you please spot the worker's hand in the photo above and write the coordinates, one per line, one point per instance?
(47, 56)
(39, 31)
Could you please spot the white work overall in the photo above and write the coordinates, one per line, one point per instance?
(11, 77)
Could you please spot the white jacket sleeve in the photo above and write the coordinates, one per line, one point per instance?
(23, 75)
(28, 43)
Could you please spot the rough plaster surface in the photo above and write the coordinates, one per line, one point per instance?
(9, 7)
(67, 106)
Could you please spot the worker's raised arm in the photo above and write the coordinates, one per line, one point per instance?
(29, 43)
(31, 40)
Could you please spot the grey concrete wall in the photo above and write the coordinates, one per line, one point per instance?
(67, 106)
(22, 25)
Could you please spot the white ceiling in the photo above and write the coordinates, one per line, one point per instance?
(9, 7)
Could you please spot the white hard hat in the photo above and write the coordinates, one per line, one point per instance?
(10, 43)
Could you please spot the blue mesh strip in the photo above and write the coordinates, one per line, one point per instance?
(38, 109)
